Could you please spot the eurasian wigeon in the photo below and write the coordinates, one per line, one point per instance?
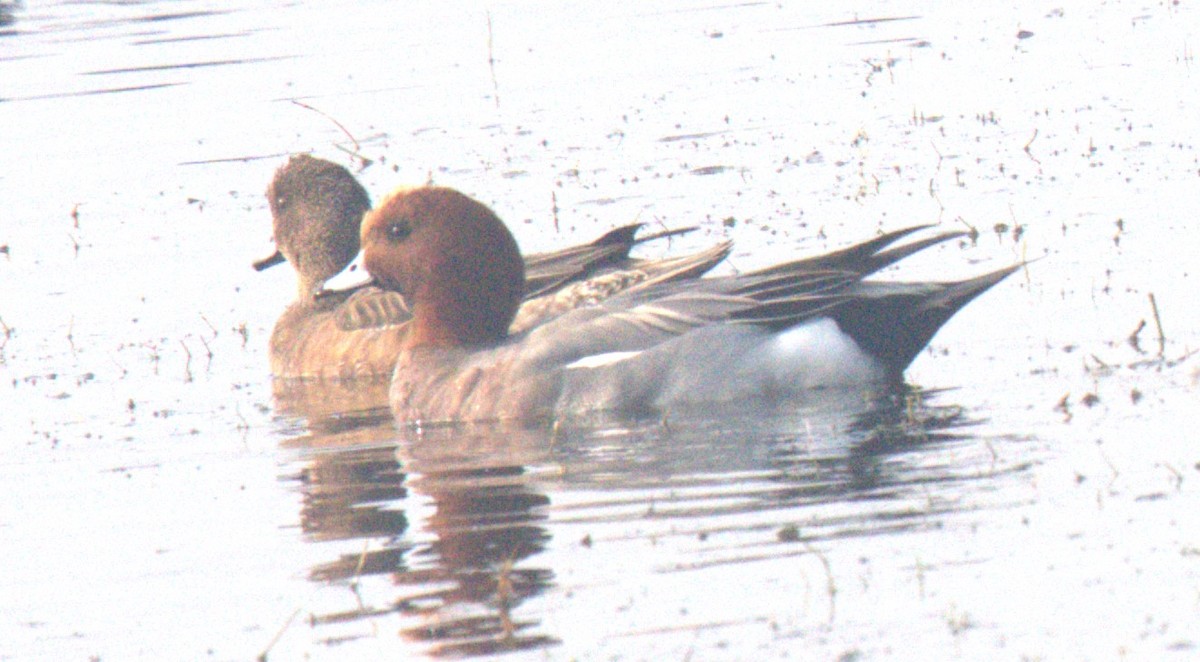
(774, 333)
(317, 207)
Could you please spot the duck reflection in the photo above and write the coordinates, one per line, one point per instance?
(465, 512)
(487, 514)
(351, 473)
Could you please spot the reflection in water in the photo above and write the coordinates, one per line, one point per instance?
(486, 517)
(351, 474)
(182, 65)
(464, 513)
(485, 521)
(8, 16)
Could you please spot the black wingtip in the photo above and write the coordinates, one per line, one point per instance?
(894, 322)
(956, 295)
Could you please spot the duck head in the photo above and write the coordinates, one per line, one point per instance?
(451, 258)
(316, 209)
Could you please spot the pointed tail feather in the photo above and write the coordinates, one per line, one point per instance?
(956, 295)
(688, 267)
(895, 321)
(846, 259)
(673, 232)
(893, 255)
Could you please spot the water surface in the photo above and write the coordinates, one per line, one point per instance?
(1031, 495)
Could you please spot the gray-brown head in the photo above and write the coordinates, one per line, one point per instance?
(316, 207)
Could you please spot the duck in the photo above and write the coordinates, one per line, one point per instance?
(317, 207)
(776, 333)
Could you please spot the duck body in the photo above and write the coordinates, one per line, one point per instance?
(316, 210)
(774, 334)
(538, 377)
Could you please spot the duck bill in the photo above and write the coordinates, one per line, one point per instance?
(269, 261)
(353, 277)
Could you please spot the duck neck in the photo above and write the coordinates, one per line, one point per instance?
(463, 317)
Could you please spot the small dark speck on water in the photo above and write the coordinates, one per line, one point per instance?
(1024, 34)
(789, 533)
(586, 541)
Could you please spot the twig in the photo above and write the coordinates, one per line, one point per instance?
(1115, 474)
(331, 119)
(1027, 150)
(154, 355)
(355, 154)
(214, 329)
(875, 69)
(1178, 477)
(1162, 340)
(1133, 339)
(187, 367)
(932, 186)
(244, 333)
(71, 335)
(492, 62)
(356, 582)
(362, 562)
(208, 350)
(357, 147)
(3, 342)
(244, 425)
(262, 657)
(554, 208)
(505, 593)
(830, 586)
(973, 232)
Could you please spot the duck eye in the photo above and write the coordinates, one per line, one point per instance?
(399, 230)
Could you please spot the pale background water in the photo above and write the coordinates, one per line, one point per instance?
(1038, 502)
